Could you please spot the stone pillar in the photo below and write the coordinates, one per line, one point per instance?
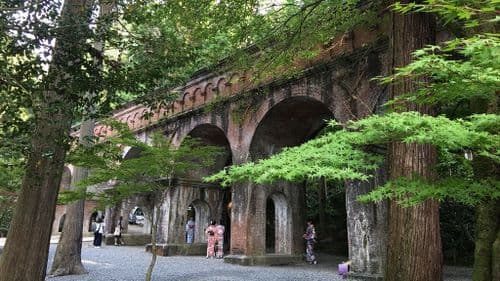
(367, 227)
(248, 224)
(239, 214)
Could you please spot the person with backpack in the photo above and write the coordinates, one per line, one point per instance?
(98, 232)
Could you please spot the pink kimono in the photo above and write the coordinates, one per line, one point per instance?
(211, 240)
(220, 240)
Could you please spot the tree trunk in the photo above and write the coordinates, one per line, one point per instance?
(25, 254)
(487, 229)
(495, 261)
(155, 221)
(68, 257)
(414, 245)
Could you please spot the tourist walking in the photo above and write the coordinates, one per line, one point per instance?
(118, 233)
(310, 237)
(98, 232)
(219, 232)
(211, 239)
(190, 231)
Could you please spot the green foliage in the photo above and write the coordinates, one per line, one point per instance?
(469, 13)
(345, 155)
(463, 69)
(152, 171)
(286, 33)
(458, 71)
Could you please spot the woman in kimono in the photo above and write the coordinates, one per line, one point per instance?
(310, 237)
(211, 239)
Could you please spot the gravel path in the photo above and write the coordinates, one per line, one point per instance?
(111, 263)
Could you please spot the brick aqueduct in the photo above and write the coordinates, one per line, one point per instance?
(253, 122)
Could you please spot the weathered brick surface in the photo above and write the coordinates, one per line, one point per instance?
(252, 126)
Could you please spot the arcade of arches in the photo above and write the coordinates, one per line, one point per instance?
(265, 223)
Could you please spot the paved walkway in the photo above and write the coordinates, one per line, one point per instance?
(111, 263)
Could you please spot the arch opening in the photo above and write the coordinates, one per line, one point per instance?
(65, 179)
(289, 123)
(220, 199)
(278, 225)
(202, 215)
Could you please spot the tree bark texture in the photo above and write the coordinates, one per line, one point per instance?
(26, 250)
(155, 219)
(25, 253)
(487, 233)
(68, 257)
(414, 245)
(495, 261)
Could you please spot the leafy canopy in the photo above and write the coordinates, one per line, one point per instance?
(349, 154)
(464, 69)
(153, 170)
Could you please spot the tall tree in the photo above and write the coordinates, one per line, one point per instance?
(67, 260)
(436, 78)
(414, 236)
(68, 257)
(25, 254)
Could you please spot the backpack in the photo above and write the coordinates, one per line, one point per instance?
(93, 228)
(97, 228)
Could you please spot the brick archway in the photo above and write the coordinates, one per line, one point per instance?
(202, 218)
(281, 217)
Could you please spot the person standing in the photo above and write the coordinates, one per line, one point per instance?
(219, 232)
(211, 239)
(118, 233)
(98, 232)
(190, 231)
(310, 237)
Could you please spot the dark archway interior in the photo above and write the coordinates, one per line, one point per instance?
(191, 212)
(326, 208)
(289, 123)
(212, 135)
(132, 153)
(270, 227)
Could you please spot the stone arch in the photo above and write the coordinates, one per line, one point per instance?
(209, 134)
(136, 120)
(217, 199)
(202, 218)
(65, 179)
(197, 98)
(208, 92)
(233, 83)
(290, 122)
(186, 100)
(287, 123)
(222, 88)
(279, 220)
